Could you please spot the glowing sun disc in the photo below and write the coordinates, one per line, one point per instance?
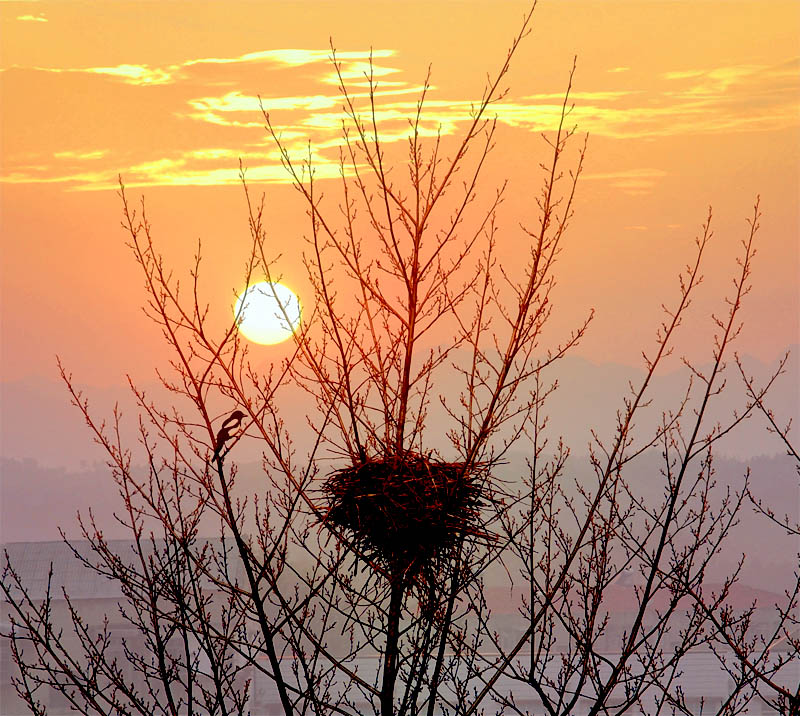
(262, 310)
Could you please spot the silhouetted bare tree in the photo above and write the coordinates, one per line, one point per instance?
(762, 662)
(378, 542)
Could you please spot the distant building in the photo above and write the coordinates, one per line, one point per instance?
(97, 598)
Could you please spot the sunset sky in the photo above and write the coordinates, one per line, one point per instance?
(686, 103)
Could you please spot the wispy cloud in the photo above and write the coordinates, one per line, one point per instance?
(135, 74)
(95, 154)
(754, 82)
(130, 74)
(32, 18)
(213, 99)
(631, 181)
(294, 57)
(356, 70)
(722, 80)
(43, 174)
(352, 64)
(182, 172)
(213, 166)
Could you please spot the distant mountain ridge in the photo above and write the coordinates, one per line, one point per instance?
(37, 421)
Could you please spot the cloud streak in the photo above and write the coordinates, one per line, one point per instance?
(353, 64)
(206, 97)
(631, 181)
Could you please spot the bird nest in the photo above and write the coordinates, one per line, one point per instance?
(406, 510)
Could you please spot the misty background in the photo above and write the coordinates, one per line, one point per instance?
(51, 469)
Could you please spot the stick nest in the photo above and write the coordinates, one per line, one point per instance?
(405, 510)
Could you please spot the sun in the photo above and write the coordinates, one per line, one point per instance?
(267, 313)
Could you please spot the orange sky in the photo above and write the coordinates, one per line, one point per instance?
(686, 104)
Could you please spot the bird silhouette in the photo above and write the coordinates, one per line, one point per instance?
(232, 422)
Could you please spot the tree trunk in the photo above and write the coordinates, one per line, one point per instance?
(392, 639)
